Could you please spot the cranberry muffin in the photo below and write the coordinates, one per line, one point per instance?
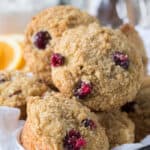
(119, 128)
(57, 123)
(135, 39)
(43, 29)
(15, 87)
(100, 67)
(139, 111)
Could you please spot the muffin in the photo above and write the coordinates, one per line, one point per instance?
(57, 123)
(43, 29)
(139, 111)
(135, 39)
(15, 87)
(119, 128)
(98, 66)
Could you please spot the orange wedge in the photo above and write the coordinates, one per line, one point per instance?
(11, 53)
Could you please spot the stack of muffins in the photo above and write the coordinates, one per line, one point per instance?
(86, 89)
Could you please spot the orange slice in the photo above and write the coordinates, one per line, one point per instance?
(11, 53)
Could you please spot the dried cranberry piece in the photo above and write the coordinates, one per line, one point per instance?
(73, 140)
(41, 39)
(57, 60)
(82, 90)
(121, 59)
(89, 123)
(80, 143)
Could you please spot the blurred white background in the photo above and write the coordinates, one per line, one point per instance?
(15, 14)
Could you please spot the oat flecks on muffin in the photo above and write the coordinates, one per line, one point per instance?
(43, 30)
(55, 122)
(101, 68)
(139, 111)
(135, 39)
(16, 86)
(119, 128)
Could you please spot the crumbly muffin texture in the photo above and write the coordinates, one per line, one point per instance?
(93, 67)
(139, 111)
(59, 123)
(15, 87)
(43, 29)
(119, 128)
(100, 67)
(135, 39)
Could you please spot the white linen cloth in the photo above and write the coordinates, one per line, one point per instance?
(134, 146)
(10, 128)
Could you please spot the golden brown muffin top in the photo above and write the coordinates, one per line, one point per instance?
(101, 59)
(55, 118)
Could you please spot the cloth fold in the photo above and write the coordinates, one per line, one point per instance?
(145, 142)
(10, 128)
